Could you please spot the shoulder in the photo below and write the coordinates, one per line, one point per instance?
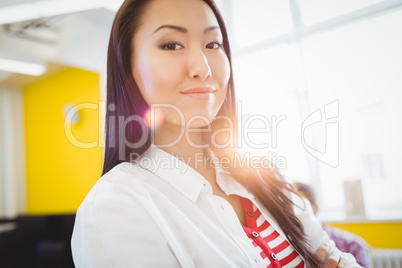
(117, 211)
(120, 188)
(123, 189)
(123, 178)
(126, 172)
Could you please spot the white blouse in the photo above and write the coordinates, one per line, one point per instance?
(160, 212)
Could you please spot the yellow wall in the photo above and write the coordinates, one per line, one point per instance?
(59, 174)
(378, 234)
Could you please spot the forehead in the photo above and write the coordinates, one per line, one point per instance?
(186, 13)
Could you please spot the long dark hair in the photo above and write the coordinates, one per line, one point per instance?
(127, 137)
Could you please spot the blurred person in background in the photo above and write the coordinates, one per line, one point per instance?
(344, 240)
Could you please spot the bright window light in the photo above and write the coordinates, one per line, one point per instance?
(22, 67)
(314, 11)
(359, 65)
(252, 25)
(354, 63)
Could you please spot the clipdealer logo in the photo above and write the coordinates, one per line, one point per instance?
(322, 125)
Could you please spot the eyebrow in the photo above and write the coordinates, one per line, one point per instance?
(184, 30)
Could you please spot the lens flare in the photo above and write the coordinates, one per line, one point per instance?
(154, 117)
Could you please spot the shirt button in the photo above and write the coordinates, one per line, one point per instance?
(255, 234)
(251, 214)
(273, 256)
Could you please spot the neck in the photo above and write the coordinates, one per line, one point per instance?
(187, 144)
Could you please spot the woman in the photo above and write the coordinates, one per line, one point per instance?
(171, 193)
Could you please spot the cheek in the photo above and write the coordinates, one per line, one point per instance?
(147, 78)
(222, 71)
(222, 74)
(153, 76)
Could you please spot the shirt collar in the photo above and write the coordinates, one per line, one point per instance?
(184, 178)
(227, 183)
(177, 173)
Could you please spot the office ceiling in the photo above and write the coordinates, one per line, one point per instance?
(56, 33)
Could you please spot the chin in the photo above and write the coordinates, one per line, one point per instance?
(199, 121)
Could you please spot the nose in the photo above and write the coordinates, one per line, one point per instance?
(199, 66)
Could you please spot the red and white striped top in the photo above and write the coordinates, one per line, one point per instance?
(274, 249)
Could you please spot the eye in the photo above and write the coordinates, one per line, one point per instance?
(214, 45)
(171, 46)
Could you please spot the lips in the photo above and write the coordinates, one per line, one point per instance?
(199, 90)
(199, 93)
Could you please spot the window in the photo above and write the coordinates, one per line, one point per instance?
(314, 11)
(357, 65)
(268, 97)
(335, 89)
(270, 17)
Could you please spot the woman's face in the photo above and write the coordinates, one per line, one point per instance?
(179, 62)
